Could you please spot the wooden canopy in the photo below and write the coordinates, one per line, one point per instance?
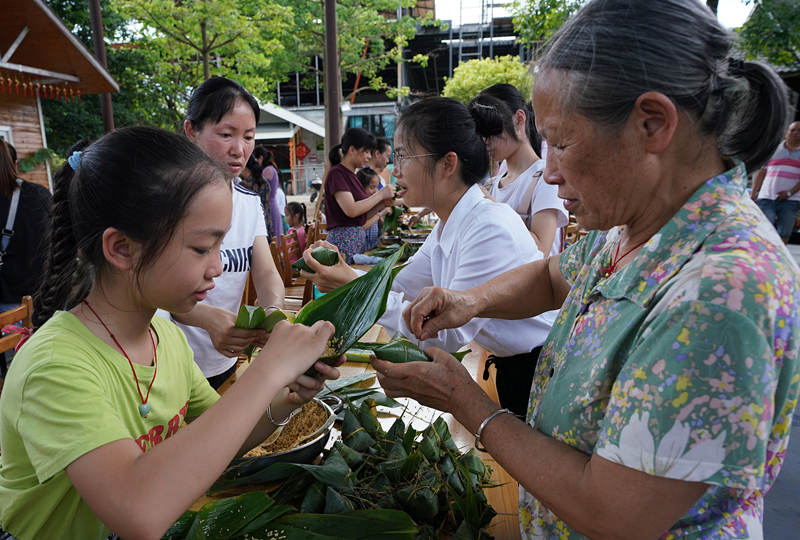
(36, 46)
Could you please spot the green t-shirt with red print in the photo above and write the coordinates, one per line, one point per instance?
(67, 393)
(682, 364)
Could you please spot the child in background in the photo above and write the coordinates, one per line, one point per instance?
(371, 180)
(296, 218)
(91, 407)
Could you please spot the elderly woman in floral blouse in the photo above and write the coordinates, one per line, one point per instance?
(663, 398)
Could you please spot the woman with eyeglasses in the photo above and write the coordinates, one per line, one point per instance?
(347, 205)
(439, 159)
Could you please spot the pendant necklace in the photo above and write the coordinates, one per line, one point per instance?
(611, 268)
(144, 408)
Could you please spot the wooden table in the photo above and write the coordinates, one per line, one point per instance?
(503, 498)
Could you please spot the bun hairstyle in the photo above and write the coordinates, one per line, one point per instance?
(493, 110)
(139, 180)
(215, 98)
(353, 137)
(441, 125)
(613, 51)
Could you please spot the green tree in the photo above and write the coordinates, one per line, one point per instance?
(536, 20)
(773, 32)
(473, 76)
(135, 103)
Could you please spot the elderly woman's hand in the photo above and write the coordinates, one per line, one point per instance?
(327, 278)
(442, 384)
(436, 309)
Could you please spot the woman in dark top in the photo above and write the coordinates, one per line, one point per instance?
(347, 205)
(23, 258)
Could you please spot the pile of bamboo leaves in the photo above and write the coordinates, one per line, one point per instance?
(420, 473)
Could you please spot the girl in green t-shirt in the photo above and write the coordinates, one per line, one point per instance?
(91, 407)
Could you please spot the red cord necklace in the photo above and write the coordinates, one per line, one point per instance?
(611, 268)
(144, 408)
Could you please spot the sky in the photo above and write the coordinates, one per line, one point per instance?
(731, 13)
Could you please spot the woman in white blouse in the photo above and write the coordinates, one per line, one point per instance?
(505, 121)
(439, 159)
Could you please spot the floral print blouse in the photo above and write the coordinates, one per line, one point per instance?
(682, 364)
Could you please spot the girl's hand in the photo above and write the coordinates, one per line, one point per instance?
(291, 350)
(442, 384)
(304, 388)
(327, 278)
(229, 340)
(385, 212)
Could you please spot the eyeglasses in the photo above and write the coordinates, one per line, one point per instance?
(398, 158)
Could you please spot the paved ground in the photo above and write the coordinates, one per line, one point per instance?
(782, 506)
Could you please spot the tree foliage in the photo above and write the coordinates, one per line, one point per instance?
(162, 49)
(473, 76)
(536, 20)
(773, 32)
(135, 103)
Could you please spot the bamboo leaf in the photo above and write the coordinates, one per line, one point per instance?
(322, 255)
(400, 350)
(353, 308)
(224, 518)
(356, 525)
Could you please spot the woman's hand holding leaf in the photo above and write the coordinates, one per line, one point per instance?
(436, 309)
(327, 278)
(440, 384)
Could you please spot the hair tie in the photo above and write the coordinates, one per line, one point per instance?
(74, 160)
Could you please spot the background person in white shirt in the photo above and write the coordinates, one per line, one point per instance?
(506, 123)
(439, 159)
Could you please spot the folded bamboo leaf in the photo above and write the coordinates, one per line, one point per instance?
(353, 308)
(333, 472)
(251, 317)
(224, 518)
(353, 433)
(356, 525)
(314, 499)
(428, 445)
(335, 502)
(352, 457)
(366, 417)
(344, 382)
(322, 255)
(390, 221)
(400, 350)
(443, 435)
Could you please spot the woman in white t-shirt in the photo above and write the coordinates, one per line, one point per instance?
(505, 122)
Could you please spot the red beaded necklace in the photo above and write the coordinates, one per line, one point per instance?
(144, 408)
(611, 268)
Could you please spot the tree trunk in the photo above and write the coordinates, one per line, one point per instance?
(712, 4)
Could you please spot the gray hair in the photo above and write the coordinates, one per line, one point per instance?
(613, 51)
